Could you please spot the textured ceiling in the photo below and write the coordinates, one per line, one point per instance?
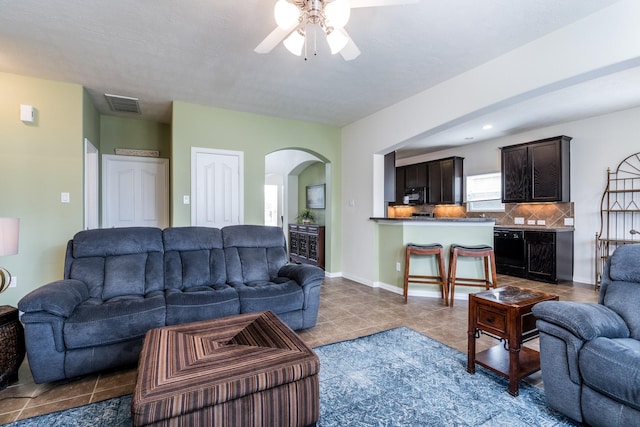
(201, 51)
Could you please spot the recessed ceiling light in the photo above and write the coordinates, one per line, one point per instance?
(487, 127)
(468, 138)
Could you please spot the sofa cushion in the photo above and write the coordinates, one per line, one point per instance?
(624, 299)
(201, 303)
(193, 257)
(191, 238)
(624, 265)
(117, 261)
(612, 367)
(124, 275)
(253, 252)
(117, 241)
(96, 322)
(280, 296)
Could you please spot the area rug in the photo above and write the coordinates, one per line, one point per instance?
(397, 377)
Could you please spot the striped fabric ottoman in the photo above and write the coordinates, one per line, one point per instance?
(245, 370)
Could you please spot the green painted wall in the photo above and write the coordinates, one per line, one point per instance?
(118, 132)
(39, 161)
(256, 136)
(313, 175)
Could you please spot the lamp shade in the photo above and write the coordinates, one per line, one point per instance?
(9, 228)
(286, 14)
(294, 43)
(338, 13)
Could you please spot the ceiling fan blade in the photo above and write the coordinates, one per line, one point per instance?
(273, 39)
(350, 51)
(372, 3)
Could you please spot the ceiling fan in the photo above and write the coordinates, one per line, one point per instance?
(296, 17)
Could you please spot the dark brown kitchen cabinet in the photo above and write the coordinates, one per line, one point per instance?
(549, 255)
(390, 177)
(400, 173)
(306, 244)
(445, 181)
(536, 171)
(415, 175)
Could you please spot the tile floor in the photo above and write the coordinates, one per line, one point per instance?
(347, 310)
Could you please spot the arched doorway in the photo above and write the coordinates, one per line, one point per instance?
(287, 174)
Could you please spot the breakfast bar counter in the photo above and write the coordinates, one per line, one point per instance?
(393, 234)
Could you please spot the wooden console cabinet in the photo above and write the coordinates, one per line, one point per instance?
(306, 244)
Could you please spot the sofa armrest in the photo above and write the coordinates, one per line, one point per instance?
(304, 274)
(586, 321)
(58, 298)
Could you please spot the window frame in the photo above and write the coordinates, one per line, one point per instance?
(480, 204)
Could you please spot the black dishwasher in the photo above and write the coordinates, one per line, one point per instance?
(510, 251)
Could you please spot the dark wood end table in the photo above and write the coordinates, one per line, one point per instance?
(12, 342)
(505, 314)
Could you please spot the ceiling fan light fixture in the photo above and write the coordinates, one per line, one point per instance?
(338, 13)
(337, 40)
(286, 14)
(295, 42)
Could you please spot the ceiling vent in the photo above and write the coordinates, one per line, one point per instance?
(123, 104)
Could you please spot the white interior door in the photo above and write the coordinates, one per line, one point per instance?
(216, 187)
(135, 191)
(91, 217)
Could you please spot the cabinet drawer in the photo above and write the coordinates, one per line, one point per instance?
(492, 320)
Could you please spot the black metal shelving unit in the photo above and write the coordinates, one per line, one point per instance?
(619, 212)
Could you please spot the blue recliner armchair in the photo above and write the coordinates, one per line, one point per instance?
(590, 353)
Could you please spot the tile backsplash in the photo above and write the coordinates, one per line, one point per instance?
(548, 215)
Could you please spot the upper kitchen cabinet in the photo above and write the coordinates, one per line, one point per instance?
(415, 175)
(445, 181)
(536, 171)
(406, 177)
(400, 174)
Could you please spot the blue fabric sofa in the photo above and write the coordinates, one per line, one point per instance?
(120, 282)
(590, 353)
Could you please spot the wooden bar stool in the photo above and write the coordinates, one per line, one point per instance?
(425, 250)
(481, 251)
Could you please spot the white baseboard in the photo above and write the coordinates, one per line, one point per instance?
(359, 280)
(332, 275)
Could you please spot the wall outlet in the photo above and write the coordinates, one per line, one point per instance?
(397, 266)
(531, 222)
(14, 282)
(541, 222)
(186, 200)
(568, 222)
(518, 220)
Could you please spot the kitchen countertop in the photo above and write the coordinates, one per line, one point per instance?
(431, 219)
(531, 228)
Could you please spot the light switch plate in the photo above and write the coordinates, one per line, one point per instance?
(518, 220)
(65, 197)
